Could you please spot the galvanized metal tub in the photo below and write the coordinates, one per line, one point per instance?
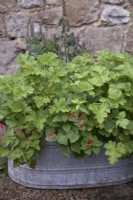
(54, 171)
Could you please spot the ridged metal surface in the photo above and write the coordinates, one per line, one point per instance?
(54, 171)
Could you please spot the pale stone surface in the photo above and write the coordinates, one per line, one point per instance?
(35, 17)
(12, 67)
(6, 6)
(1, 24)
(53, 2)
(3, 8)
(51, 33)
(103, 38)
(8, 52)
(114, 1)
(82, 12)
(35, 29)
(51, 16)
(115, 14)
(30, 3)
(21, 43)
(17, 24)
(129, 40)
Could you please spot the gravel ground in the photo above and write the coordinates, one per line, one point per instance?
(12, 191)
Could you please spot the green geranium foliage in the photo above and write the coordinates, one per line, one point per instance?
(81, 105)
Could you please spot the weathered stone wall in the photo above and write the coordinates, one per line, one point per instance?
(98, 24)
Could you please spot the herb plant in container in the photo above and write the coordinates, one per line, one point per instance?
(69, 125)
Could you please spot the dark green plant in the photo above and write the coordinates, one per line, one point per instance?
(38, 45)
(65, 46)
(68, 44)
(3, 161)
(3, 164)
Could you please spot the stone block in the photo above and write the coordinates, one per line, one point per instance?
(51, 33)
(110, 38)
(17, 24)
(11, 68)
(129, 40)
(1, 24)
(114, 1)
(21, 43)
(35, 28)
(8, 52)
(5, 5)
(115, 14)
(30, 3)
(82, 12)
(54, 2)
(51, 16)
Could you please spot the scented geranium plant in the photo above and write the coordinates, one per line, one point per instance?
(81, 105)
